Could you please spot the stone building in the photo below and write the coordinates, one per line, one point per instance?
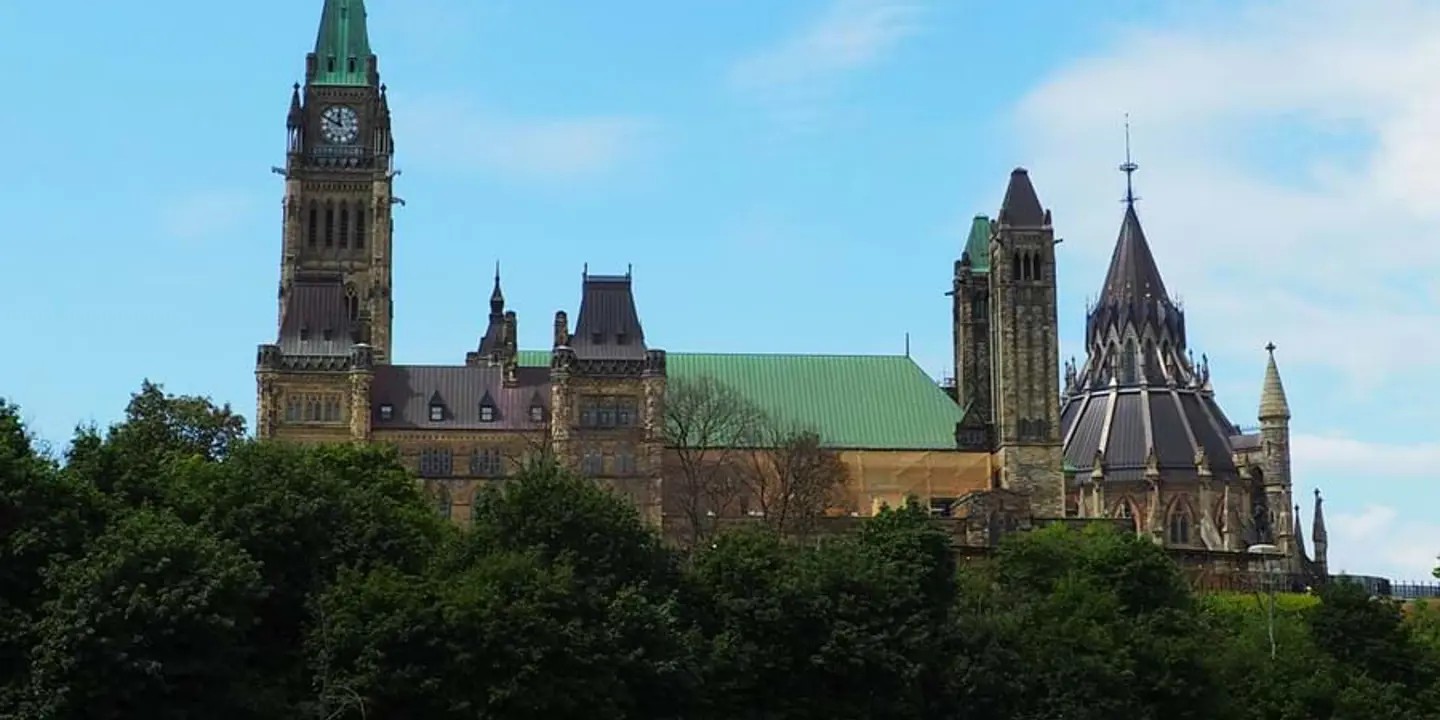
(1137, 436)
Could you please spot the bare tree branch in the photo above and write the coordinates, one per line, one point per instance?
(793, 479)
(708, 426)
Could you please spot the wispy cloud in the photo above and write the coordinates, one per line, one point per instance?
(848, 36)
(1288, 159)
(550, 149)
(1341, 234)
(201, 216)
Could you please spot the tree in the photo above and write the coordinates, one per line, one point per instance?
(45, 519)
(158, 428)
(792, 478)
(152, 622)
(707, 426)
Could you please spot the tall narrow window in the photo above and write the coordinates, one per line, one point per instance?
(330, 64)
(312, 232)
(1127, 362)
(360, 227)
(1015, 264)
(1180, 526)
(344, 225)
(329, 225)
(350, 65)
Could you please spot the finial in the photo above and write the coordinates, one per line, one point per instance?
(1270, 348)
(1317, 493)
(297, 87)
(585, 271)
(628, 268)
(497, 272)
(1129, 167)
(907, 344)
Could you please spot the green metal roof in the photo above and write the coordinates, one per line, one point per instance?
(342, 46)
(978, 244)
(871, 402)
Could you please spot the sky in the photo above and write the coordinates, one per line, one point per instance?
(782, 177)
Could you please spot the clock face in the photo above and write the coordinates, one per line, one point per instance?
(339, 124)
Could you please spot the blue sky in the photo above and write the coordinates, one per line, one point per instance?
(784, 177)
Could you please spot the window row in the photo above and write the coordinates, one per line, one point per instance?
(314, 407)
(1179, 525)
(594, 463)
(439, 412)
(333, 225)
(1027, 266)
(606, 411)
(488, 462)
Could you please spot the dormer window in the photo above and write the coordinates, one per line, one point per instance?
(437, 412)
(537, 413)
(330, 64)
(327, 333)
(487, 413)
(304, 333)
(598, 338)
(622, 339)
(387, 411)
(350, 65)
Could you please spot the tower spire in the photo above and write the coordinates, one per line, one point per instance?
(497, 298)
(1273, 405)
(342, 46)
(1129, 167)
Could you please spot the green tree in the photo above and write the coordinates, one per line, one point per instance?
(129, 460)
(45, 518)
(557, 603)
(152, 622)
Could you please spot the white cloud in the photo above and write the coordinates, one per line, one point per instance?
(204, 215)
(1314, 455)
(1318, 254)
(848, 36)
(1376, 538)
(456, 135)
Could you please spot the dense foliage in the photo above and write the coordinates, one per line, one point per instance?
(171, 568)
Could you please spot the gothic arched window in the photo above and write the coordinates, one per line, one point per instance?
(344, 225)
(312, 230)
(329, 225)
(1179, 525)
(1128, 362)
(1015, 259)
(360, 226)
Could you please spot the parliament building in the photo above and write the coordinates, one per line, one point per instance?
(1132, 433)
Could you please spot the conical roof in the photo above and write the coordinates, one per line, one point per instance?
(1273, 405)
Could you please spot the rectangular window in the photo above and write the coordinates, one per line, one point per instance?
(350, 64)
(437, 413)
(592, 463)
(942, 507)
(329, 226)
(608, 411)
(387, 412)
(360, 228)
(487, 413)
(312, 234)
(332, 409)
(487, 462)
(436, 463)
(292, 409)
(625, 462)
(344, 227)
(537, 414)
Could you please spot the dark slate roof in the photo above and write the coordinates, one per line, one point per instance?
(1021, 206)
(1133, 273)
(410, 389)
(608, 325)
(1126, 423)
(316, 320)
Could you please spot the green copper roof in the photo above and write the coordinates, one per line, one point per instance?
(870, 402)
(978, 244)
(342, 47)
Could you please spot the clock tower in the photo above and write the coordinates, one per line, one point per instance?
(338, 177)
(335, 306)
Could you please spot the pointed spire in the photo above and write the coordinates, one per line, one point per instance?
(1021, 206)
(1299, 536)
(297, 112)
(342, 45)
(1317, 532)
(1134, 277)
(497, 298)
(1273, 405)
